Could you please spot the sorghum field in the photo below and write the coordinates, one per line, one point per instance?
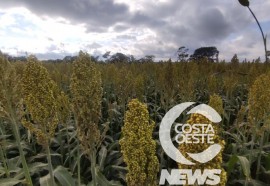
(87, 123)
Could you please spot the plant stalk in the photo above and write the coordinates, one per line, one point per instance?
(79, 164)
(93, 167)
(69, 159)
(50, 164)
(263, 36)
(260, 157)
(15, 130)
(3, 158)
(18, 141)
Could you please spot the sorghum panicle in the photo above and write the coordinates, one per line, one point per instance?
(39, 102)
(216, 103)
(138, 146)
(86, 90)
(215, 163)
(259, 99)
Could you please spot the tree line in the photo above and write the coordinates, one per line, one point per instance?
(210, 53)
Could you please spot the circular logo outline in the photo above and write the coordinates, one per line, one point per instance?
(165, 132)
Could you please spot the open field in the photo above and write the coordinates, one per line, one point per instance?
(66, 120)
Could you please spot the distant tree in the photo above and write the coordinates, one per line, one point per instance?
(94, 58)
(147, 58)
(73, 58)
(106, 55)
(258, 60)
(118, 57)
(235, 59)
(69, 58)
(131, 58)
(210, 52)
(182, 54)
(19, 58)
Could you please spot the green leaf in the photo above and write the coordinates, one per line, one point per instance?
(20, 175)
(230, 164)
(90, 184)
(14, 164)
(63, 176)
(249, 182)
(102, 180)
(38, 157)
(102, 157)
(9, 181)
(245, 165)
(36, 166)
(234, 136)
(45, 180)
(267, 162)
(4, 137)
(244, 2)
(120, 168)
(256, 183)
(113, 145)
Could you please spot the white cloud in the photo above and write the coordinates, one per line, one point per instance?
(139, 27)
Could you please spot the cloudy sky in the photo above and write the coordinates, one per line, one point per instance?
(55, 28)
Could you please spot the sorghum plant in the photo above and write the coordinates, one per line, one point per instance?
(259, 113)
(215, 163)
(9, 98)
(138, 146)
(87, 95)
(39, 105)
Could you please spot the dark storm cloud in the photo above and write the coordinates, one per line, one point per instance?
(199, 23)
(199, 18)
(97, 14)
(206, 25)
(190, 23)
(120, 27)
(142, 19)
(212, 24)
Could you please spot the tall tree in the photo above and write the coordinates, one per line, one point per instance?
(182, 54)
(106, 55)
(235, 59)
(147, 58)
(118, 57)
(210, 52)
